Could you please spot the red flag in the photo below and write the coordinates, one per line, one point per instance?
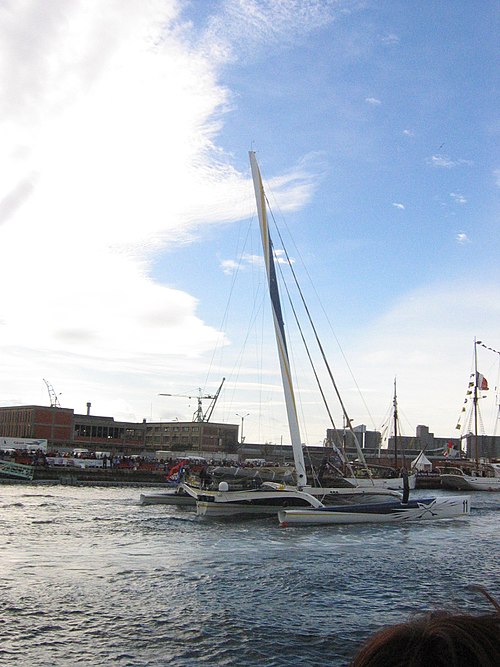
(481, 382)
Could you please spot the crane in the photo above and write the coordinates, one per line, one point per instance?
(54, 400)
(199, 415)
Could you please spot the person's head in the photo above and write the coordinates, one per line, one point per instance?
(438, 639)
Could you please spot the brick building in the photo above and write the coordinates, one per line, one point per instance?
(64, 431)
(192, 436)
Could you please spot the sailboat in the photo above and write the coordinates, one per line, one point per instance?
(380, 478)
(306, 499)
(478, 475)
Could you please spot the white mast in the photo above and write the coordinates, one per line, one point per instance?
(279, 328)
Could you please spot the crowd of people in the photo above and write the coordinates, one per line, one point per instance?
(109, 460)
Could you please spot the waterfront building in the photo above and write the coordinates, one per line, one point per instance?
(488, 446)
(65, 431)
(198, 436)
(423, 440)
(344, 438)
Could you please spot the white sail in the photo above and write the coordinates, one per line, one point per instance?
(279, 329)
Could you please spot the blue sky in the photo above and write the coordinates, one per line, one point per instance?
(126, 203)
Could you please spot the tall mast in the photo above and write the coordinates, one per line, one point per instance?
(476, 447)
(395, 416)
(279, 328)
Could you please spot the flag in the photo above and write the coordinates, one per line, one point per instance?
(449, 447)
(481, 382)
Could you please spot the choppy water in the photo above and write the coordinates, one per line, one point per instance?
(91, 577)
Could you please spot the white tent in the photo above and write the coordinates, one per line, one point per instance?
(421, 463)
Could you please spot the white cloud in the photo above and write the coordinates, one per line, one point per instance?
(409, 133)
(373, 101)
(458, 198)
(418, 342)
(231, 266)
(242, 29)
(443, 161)
(462, 238)
(400, 206)
(390, 39)
(107, 155)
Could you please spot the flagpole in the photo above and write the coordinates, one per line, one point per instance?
(395, 418)
(475, 404)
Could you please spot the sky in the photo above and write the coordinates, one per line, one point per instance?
(130, 261)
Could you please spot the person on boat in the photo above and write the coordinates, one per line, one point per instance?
(205, 477)
(440, 639)
(406, 486)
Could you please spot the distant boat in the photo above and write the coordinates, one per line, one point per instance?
(386, 477)
(478, 475)
(12, 469)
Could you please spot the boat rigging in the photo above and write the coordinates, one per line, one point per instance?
(310, 503)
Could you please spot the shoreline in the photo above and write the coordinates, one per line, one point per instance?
(135, 478)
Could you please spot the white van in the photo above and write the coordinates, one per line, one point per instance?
(255, 462)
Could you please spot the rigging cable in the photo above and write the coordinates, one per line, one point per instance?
(320, 346)
(353, 377)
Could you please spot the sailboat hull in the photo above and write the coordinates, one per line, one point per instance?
(168, 498)
(271, 498)
(251, 509)
(470, 483)
(259, 502)
(421, 509)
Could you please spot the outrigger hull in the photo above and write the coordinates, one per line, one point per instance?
(420, 509)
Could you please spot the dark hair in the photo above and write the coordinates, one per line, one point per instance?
(438, 639)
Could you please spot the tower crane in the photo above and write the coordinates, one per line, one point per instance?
(54, 398)
(199, 415)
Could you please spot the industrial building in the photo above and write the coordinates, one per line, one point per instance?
(65, 431)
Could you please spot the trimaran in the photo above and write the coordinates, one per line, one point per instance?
(304, 503)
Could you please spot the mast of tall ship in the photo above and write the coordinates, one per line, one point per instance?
(475, 399)
(395, 417)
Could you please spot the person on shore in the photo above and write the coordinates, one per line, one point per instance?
(437, 639)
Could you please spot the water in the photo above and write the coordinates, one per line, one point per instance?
(91, 577)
